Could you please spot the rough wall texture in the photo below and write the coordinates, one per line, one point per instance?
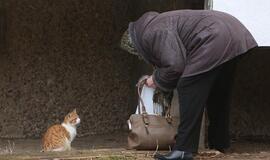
(250, 98)
(61, 54)
(57, 55)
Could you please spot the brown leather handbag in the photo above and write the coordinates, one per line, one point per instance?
(149, 132)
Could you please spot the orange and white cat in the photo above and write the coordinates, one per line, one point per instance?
(59, 137)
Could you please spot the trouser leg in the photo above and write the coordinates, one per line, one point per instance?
(218, 108)
(193, 93)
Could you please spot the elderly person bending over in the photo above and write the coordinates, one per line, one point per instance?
(194, 51)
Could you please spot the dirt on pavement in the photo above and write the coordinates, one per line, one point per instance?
(113, 147)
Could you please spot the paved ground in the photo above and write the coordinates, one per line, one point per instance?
(112, 147)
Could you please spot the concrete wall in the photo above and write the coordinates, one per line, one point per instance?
(250, 97)
(58, 55)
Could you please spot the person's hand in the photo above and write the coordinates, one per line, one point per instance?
(150, 83)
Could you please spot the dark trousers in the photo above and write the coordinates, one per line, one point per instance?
(212, 90)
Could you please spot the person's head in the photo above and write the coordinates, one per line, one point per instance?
(127, 44)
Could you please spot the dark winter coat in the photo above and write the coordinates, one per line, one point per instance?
(188, 42)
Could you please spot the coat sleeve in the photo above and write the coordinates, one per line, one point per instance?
(169, 51)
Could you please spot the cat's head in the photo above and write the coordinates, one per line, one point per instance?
(72, 118)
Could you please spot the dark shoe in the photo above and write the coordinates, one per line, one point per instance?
(174, 155)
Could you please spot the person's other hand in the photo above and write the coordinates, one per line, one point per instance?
(150, 83)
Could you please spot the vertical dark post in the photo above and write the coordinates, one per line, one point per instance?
(2, 26)
(190, 4)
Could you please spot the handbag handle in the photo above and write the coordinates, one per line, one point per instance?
(139, 85)
(142, 110)
(144, 114)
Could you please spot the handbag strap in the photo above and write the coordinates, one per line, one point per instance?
(142, 110)
(139, 85)
(168, 115)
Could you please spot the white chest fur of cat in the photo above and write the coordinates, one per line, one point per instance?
(59, 137)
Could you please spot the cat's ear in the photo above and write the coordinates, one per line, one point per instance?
(74, 111)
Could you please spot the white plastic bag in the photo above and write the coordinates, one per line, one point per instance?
(152, 108)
